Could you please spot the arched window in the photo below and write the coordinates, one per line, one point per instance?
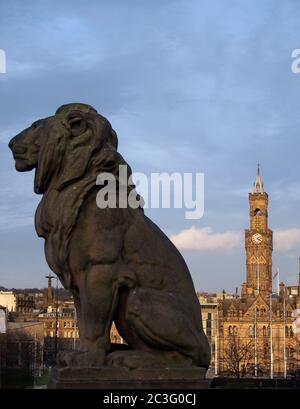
(264, 331)
(291, 331)
(234, 330)
(286, 331)
(257, 212)
(230, 330)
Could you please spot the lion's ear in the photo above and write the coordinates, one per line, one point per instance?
(78, 125)
(76, 161)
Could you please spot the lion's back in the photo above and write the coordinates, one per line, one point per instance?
(154, 257)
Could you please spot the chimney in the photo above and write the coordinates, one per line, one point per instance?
(244, 290)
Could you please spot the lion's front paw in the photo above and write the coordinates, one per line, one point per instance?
(81, 359)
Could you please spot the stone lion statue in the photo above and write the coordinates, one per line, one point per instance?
(116, 262)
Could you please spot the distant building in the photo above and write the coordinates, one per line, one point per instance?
(24, 346)
(209, 309)
(61, 322)
(3, 320)
(17, 302)
(3, 332)
(25, 303)
(8, 300)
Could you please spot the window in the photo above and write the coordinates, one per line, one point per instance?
(230, 330)
(257, 212)
(264, 331)
(208, 325)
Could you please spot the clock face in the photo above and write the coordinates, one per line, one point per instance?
(257, 238)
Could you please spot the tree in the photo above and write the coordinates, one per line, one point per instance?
(238, 354)
(293, 356)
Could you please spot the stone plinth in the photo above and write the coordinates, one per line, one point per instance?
(120, 378)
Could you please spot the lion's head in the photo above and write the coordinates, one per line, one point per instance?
(62, 145)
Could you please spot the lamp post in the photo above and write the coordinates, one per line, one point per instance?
(75, 328)
(50, 277)
(271, 339)
(284, 341)
(216, 344)
(56, 320)
(255, 342)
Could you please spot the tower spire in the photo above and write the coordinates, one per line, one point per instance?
(258, 186)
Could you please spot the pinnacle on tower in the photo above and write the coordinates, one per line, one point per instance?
(258, 186)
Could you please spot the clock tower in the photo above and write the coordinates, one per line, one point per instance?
(258, 243)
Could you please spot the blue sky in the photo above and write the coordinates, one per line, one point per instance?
(189, 86)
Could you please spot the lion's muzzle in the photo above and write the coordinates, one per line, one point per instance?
(24, 160)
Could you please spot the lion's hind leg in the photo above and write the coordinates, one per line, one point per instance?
(164, 321)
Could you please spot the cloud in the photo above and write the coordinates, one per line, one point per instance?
(183, 94)
(286, 239)
(205, 239)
